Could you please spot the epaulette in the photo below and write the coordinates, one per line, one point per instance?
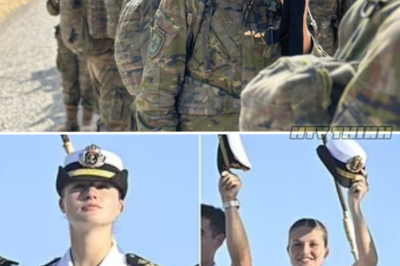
(6, 262)
(53, 262)
(135, 260)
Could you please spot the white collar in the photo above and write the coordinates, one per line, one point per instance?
(115, 257)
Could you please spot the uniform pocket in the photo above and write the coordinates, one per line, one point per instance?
(97, 19)
(222, 49)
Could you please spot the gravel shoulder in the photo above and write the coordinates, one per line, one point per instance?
(30, 84)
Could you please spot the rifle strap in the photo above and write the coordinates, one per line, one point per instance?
(290, 33)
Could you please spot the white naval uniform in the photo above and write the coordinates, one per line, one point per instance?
(115, 257)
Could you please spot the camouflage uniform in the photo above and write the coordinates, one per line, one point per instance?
(327, 15)
(131, 43)
(88, 28)
(372, 97)
(357, 87)
(200, 56)
(6, 262)
(75, 82)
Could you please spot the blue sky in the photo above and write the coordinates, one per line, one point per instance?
(160, 221)
(288, 182)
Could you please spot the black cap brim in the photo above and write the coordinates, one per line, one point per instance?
(7, 262)
(333, 165)
(119, 180)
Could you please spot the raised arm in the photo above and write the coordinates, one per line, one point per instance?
(367, 255)
(236, 238)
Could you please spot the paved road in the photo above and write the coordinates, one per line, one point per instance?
(30, 85)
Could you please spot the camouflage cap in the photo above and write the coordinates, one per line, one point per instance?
(294, 91)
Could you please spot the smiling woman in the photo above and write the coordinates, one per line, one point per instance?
(284, 188)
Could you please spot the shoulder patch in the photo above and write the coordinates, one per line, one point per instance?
(135, 260)
(53, 262)
(155, 43)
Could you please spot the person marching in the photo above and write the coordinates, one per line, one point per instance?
(77, 88)
(92, 186)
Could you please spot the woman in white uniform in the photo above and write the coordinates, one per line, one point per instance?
(92, 187)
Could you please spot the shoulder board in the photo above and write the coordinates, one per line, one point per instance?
(135, 260)
(53, 262)
(6, 262)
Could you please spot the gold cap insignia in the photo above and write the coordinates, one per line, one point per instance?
(92, 157)
(355, 164)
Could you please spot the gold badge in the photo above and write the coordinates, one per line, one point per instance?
(92, 157)
(355, 164)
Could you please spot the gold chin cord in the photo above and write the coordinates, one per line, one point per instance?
(347, 221)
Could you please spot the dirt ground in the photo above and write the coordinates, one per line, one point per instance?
(6, 6)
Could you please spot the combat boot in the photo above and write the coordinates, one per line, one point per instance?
(87, 120)
(71, 124)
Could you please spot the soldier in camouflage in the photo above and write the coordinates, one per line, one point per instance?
(359, 86)
(131, 42)
(6, 262)
(327, 15)
(75, 82)
(88, 27)
(372, 97)
(201, 55)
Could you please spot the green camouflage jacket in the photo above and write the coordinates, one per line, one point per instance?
(88, 26)
(372, 97)
(201, 55)
(359, 86)
(131, 42)
(327, 15)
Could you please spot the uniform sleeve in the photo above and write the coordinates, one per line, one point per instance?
(347, 4)
(164, 72)
(129, 52)
(372, 98)
(53, 8)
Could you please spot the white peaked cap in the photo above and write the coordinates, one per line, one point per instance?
(236, 145)
(110, 158)
(345, 150)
